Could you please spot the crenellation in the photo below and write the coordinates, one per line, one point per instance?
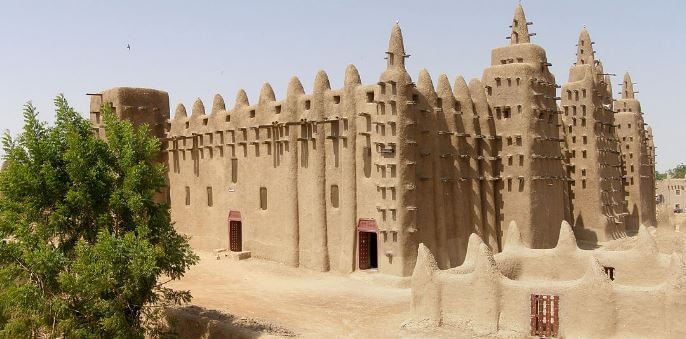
(355, 178)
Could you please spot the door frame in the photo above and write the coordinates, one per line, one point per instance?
(235, 216)
(366, 225)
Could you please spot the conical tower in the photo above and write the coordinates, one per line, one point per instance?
(636, 160)
(592, 159)
(393, 159)
(521, 95)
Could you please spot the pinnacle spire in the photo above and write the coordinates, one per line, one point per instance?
(584, 49)
(520, 29)
(627, 87)
(396, 48)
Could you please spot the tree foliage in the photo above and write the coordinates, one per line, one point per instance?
(86, 248)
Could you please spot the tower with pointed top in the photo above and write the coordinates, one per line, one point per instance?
(636, 152)
(522, 96)
(592, 153)
(355, 178)
(394, 152)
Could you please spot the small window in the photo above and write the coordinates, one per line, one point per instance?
(334, 196)
(209, 197)
(415, 97)
(263, 198)
(204, 122)
(234, 170)
(583, 154)
(439, 102)
(506, 113)
(188, 196)
(252, 113)
(678, 192)
(585, 139)
(307, 104)
(277, 109)
(497, 82)
(583, 93)
(370, 97)
(337, 99)
(228, 118)
(610, 271)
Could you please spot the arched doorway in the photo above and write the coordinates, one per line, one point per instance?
(367, 244)
(235, 231)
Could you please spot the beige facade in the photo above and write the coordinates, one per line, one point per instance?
(592, 148)
(671, 193)
(638, 160)
(634, 292)
(357, 177)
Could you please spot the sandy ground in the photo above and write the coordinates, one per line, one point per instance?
(257, 299)
(287, 300)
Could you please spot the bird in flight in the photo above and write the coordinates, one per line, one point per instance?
(128, 46)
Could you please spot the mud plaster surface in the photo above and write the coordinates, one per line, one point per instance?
(257, 298)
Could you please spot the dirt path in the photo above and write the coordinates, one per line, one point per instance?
(309, 304)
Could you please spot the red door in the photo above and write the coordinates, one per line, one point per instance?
(235, 236)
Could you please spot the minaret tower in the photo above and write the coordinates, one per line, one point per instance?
(593, 161)
(637, 165)
(394, 161)
(521, 93)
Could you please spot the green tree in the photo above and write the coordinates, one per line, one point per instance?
(660, 176)
(678, 172)
(86, 249)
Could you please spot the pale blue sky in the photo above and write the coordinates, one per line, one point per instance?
(198, 48)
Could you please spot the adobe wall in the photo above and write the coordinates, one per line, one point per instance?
(522, 92)
(638, 163)
(667, 190)
(594, 162)
(499, 303)
(423, 163)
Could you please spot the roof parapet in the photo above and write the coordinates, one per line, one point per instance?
(198, 108)
(218, 104)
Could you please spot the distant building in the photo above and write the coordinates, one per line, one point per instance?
(357, 177)
(671, 193)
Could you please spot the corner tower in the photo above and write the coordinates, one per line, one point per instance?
(637, 165)
(592, 157)
(521, 93)
(393, 160)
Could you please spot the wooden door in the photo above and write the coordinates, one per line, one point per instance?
(364, 250)
(235, 236)
(545, 319)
